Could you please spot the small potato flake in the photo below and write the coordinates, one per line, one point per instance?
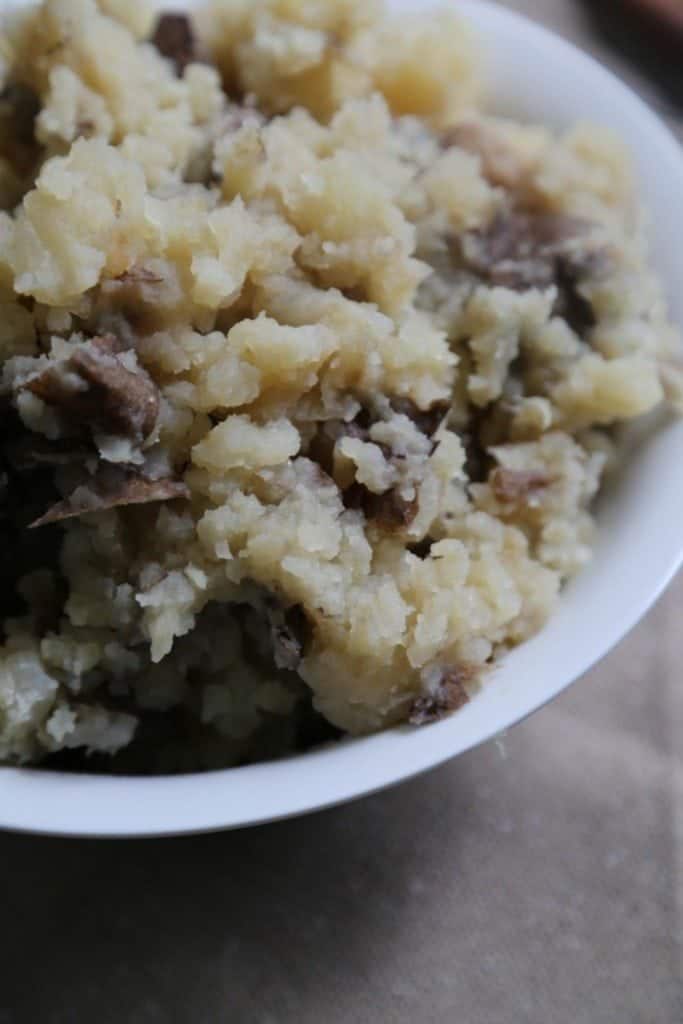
(513, 486)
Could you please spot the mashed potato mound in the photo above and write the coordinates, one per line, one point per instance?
(311, 372)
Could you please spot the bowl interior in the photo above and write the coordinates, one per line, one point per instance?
(640, 546)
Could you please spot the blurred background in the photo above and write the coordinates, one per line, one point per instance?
(538, 880)
(642, 40)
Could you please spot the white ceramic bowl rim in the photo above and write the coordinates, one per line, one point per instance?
(641, 542)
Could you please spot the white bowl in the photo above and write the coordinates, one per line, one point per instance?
(640, 547)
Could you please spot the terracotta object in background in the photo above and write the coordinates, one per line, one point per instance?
(649, 35)
(667, 13)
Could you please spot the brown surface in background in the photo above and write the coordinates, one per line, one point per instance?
(535, 883)
(667, 12)
(641, 38)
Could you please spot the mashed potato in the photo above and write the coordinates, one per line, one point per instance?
(311, 369)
